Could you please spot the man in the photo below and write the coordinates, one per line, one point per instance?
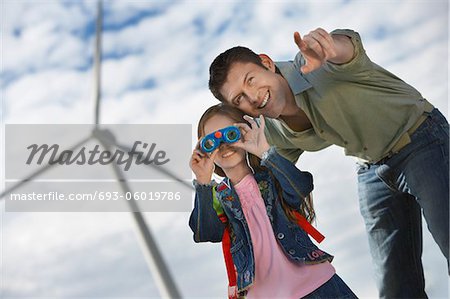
(332, 93)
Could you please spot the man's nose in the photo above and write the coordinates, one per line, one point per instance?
(253, 95)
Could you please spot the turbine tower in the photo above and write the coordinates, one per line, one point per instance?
(155, 261)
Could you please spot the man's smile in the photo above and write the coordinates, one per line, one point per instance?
(265, 101)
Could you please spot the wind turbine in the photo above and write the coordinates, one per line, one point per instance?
(155, 261)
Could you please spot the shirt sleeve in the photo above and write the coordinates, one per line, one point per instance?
(291, 154)
(359, 62)
(277, 139)
(204, 221)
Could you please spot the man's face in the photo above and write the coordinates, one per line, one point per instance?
(255, 90)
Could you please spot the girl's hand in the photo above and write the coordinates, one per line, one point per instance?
(253, 139)
(202, 164)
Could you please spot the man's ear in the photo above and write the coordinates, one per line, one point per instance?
(267, 62)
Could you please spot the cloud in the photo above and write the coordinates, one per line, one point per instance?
(43, 36)
(79, 254)
(48, 96)
(155, 70)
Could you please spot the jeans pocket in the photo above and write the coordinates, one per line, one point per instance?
(384, 173)
(361, 168)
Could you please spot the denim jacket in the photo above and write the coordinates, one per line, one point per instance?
(296, 245)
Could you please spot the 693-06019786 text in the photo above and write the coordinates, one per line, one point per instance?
(98, 195)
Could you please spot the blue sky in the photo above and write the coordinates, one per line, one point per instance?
(155, 70)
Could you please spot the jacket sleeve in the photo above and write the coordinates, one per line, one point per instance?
(291, 154)
(204, 222)
(295, 184)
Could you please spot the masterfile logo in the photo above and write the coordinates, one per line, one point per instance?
(95, 155)
(162, 147)
(108, 168)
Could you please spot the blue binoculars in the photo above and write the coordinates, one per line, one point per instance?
(212, 141)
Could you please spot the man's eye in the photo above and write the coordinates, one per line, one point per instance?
(250, 81)
(238, 100)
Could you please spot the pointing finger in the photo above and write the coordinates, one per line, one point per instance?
(298, 40)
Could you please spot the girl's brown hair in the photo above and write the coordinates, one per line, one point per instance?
(236, 115)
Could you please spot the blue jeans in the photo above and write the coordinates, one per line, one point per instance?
(334, 288)
(392, 195)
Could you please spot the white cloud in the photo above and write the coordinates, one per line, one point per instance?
(43, 47)
(49, 96)
(69, 249)
(39, 34)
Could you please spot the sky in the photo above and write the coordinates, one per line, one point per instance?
(156, 56)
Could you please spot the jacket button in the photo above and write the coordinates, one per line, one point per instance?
(291, 251)
(280, 236)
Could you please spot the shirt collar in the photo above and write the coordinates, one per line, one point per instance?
(295, 78)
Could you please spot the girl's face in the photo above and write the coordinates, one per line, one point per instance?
(228, 156)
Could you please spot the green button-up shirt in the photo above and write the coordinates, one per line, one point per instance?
(358, 105)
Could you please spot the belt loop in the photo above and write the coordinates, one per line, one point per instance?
(428, 107)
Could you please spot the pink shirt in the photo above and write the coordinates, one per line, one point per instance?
(275, 275)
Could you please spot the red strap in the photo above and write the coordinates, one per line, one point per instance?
(308, 228)
(226, 246)
(228, 258)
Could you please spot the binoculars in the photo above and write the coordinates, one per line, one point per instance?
(212, 141)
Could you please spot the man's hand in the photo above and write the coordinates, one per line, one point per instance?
(318, 46)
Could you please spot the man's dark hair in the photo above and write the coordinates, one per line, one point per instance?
(218, 71)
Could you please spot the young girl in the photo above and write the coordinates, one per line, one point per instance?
(272, 255)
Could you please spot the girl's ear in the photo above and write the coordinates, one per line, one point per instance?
(267, 62)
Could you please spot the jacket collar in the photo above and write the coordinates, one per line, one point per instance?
(225, 188)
